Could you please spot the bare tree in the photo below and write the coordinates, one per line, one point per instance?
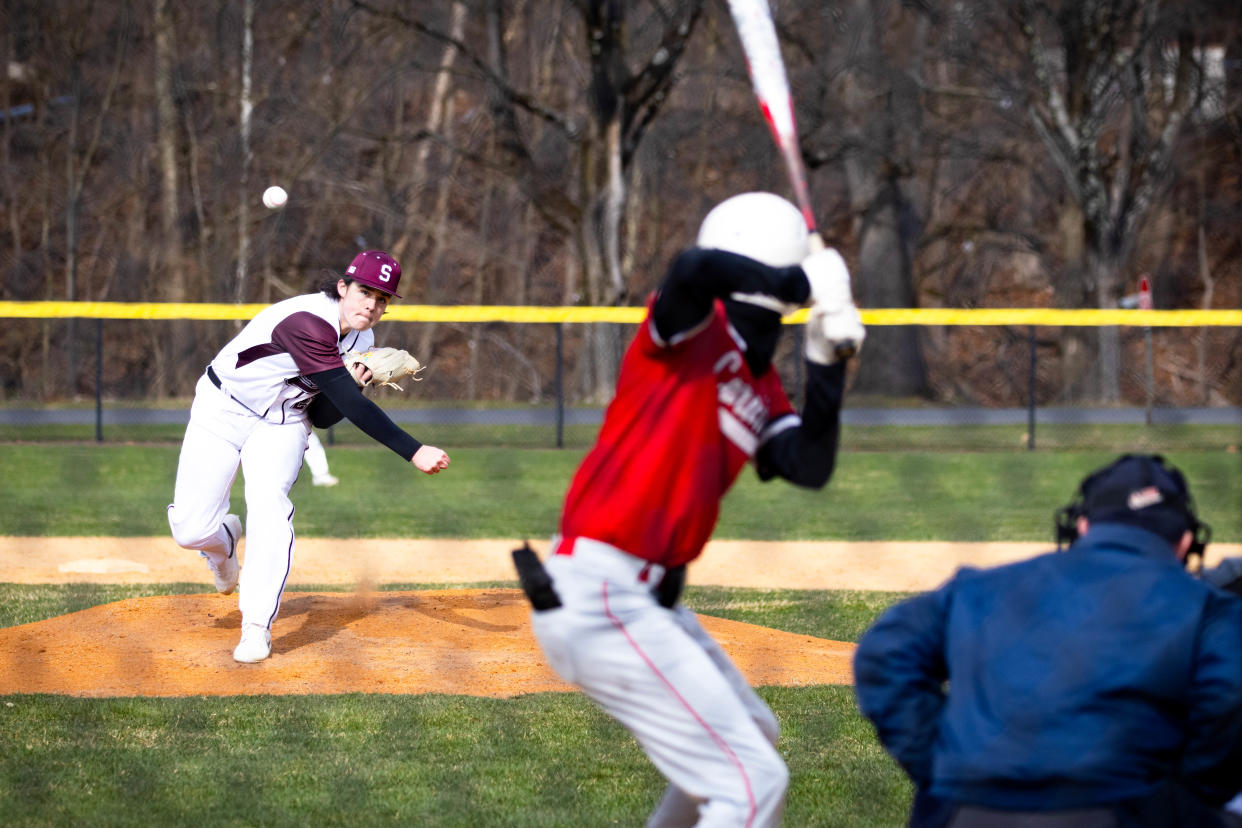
(560, 151)
(245, 102)
(583, 187)
(88, 121)
(1111, 86)
(171, 264)
(869, 128)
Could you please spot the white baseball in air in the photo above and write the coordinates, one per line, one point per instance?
(275, 197)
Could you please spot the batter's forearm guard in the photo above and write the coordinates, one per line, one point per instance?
(700, 276)
(806, 455)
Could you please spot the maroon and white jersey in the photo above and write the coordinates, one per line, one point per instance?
(686, 418)
(264, 367)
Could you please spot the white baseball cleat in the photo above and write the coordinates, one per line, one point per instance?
(255, 644)
(227, 571)
(324, 480)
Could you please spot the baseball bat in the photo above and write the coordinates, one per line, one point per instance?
(753, 20)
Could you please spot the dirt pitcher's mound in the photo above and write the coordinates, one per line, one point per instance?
(473, 642)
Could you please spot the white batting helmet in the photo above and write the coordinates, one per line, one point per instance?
(761, 226)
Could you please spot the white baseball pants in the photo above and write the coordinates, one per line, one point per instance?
(316, 456)
(660, 674)
(220, 436)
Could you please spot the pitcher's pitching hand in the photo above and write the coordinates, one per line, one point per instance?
(430, 459)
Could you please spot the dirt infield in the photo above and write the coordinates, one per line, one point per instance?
(802, 564)
(466, 641)
(474, 642)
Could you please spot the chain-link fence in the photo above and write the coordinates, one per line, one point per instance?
(989, 386)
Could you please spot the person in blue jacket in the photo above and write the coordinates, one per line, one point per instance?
(1096, 686)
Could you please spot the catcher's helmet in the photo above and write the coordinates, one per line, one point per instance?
(376, 269)
(761, 226)
(1140, 489)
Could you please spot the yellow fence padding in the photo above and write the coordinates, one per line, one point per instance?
(1049, 317)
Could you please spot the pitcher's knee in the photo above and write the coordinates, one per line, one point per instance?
(267, 502)
(190, 534)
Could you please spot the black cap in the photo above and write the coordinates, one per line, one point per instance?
(1139, 489)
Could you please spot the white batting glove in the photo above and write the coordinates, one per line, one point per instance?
(829, 278)
(833, 335)
(834, 330)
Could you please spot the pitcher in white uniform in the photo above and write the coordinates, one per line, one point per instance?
(254, 407)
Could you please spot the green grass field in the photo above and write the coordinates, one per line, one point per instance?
(538, 760)
(122, 490)
(1004, 439)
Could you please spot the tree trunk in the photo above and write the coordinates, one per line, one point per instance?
(604, 190)
(246, 103)
(1092, 70)
(478, 288)
(1104, 275)
(885, 280)
(527, 245)
(435, 232)
(175, 348)
(13, 199)
(1209, 281)
(892, 362)
(73, 191)
(439, 232)
(172, 271)
(436, 119)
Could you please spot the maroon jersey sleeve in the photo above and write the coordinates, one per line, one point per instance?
(309, 340)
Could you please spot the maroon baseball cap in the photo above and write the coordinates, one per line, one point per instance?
(375, 268)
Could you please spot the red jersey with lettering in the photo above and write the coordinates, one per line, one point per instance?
(685, 419)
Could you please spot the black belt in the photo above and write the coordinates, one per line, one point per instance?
(215, 380)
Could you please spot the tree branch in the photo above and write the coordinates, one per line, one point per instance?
(515, 96)
(646, 91)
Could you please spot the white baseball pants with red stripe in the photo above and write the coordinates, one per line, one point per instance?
(221, 436)
(660, 674)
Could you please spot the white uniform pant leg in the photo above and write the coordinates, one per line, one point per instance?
(210, 453)
(271, 460)
(676, 808)
(316, 457)
(763, 716)
(640, 664)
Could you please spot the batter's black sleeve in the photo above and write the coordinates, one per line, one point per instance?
(699, 276)
(345, 399)
(806, 454)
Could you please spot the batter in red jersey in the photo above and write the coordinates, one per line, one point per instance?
(684, 422)
(697, 398)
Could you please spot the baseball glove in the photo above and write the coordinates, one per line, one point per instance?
(387, 365)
